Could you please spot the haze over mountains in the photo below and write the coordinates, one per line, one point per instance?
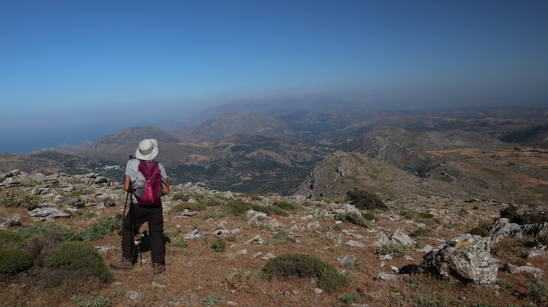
(321, 148)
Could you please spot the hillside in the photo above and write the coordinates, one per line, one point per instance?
(275, 152)
(220, 244)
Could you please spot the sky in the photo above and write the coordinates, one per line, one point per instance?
(72, 71)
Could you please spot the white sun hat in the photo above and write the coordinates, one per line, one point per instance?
(148, 149)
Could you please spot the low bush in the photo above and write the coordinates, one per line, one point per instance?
(242, 278)
(420, 232)
(18, 198)
(542, 237)
(287, 206)
(539, 293)
(305, 266)
(239, 207)
(356, 219)
(15, 261)
(369, 216)
(420, 217)
(395, 250)
(270, 210)
(219, 245)
(511, 213)
(105, 226)
(479, 231)
(41, 247)
(188, 206)
(180, 243)
(180, 196)
(79, 255)
(351, 298)
(10, 239)
(364, 200)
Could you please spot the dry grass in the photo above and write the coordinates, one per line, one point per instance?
(197, 275)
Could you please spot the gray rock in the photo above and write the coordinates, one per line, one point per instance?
(466, 258)
(219, 233)
(333, 236)
(512, 269)
(346, 259)
(355, 244)
(537, 252)
(195, 234)
(11, 173)
(255, 240)
(502, 227)
(385, 276)
(427, 249)
(401, 238)
(132, 295)
(106, 249)
(254, 215)
(47, 213)
(297, 227)
(13, 219)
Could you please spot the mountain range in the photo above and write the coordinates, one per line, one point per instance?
(320, 148)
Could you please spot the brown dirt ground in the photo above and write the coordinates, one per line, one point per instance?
(197, 275)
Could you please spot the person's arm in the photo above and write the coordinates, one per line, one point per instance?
(127, 183)
(165, 187)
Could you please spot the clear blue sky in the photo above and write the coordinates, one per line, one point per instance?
(76, 70)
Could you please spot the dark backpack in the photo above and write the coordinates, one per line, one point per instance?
(149, 189)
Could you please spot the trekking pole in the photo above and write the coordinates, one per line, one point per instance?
(127, 197)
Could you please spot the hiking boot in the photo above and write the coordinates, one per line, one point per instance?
(125, 265)
(158, 268)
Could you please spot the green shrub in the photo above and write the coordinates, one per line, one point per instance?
(243, 278)
(420, 232)
(66, 233)
(369, 216)
(79, 255)
(364, 200)
(180, 243)
(105, 226)
(219, 245)
(305, 266)
(539, 293)
(351, 298)
(355, 219)
(542, 237)
(10, 238)
(18, 198)
(395, 250)
(180, 196)
(15, 261)
(239, 207)
(479, 231)
(420, 217)
(511, 213)
(189, 206)
(486, 224)
(41, 247)
(287, 206)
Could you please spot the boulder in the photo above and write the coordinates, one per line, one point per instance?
(502, 227)
(466, 258)
(47, 213)
(512, 269)
(401, 238)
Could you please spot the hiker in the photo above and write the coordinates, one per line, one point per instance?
(140, 211)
